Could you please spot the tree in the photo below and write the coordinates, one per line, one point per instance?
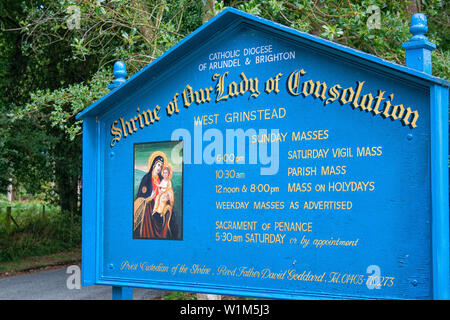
(58, 56)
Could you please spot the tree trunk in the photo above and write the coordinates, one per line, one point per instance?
(67, 172)
(67, 189)
(209, 9)
(413, 7)
(11, 193)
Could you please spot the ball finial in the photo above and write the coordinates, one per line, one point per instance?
(120, 69)
(120, 72)
(418, 27)
(418, 48)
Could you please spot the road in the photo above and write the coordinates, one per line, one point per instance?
(52, 285)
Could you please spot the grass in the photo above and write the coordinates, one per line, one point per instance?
(44, 237)
(180, 295)
(37, 230)
(177, 295)
(38, 263)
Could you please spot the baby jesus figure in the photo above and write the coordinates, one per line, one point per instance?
(164, 200)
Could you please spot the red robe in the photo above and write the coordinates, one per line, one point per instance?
(148, 229)
(154, 225)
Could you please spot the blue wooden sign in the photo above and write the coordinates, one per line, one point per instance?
(253, 159)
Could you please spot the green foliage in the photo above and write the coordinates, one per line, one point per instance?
(178, 295)
(59, 107)
(350, 23)
(37, 233)
(51, 71)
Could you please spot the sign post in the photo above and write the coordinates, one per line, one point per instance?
(253, 159)
(418, 56)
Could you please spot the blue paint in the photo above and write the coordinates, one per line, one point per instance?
(418, 56)
(418, 49)
(397, 221)
(120, 73)
(440, 201)
(122, 293)
(229, 17)
(89, 260)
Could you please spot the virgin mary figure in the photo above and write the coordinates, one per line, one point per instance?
(146, 224)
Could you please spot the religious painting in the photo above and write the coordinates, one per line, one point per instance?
(157, 191)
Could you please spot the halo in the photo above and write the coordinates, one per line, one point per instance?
(153, 157)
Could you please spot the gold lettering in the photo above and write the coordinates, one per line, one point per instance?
(148, 114)
(141, 123)
(397, 112)
(378, 98)
(202, 96)
(173, 106)
(334, 93)
(317, 89)
(293, 82)
(366, 105)
(116, 132)
(321, 95)
(358, 92)
(133, 124)
(125, 125)
(156, 112)
(272, 84)
(386, 114)
(249, 85)
(188, 96)
(406, 121)
(233, 89)
(304, 88)
(344, 95)
(220, 86)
